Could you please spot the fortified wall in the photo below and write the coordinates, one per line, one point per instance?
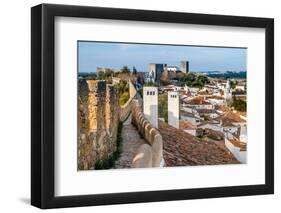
(150, 154)
(98, 118)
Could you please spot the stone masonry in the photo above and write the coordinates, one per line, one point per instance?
(98, 119)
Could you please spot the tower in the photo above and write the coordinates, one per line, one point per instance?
(173, 109)
(184, 66)
(150, 105)
(227, 92)
(156, 70)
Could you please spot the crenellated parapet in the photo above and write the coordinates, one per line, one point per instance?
(152, 137)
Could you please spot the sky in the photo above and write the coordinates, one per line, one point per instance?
(115, 55)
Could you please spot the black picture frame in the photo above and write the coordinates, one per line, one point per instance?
(43, 105)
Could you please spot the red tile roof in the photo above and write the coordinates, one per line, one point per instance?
(183, 149)
(197, 101)
(186, 125)
(229, 118)
(215, 97)
(239, 144)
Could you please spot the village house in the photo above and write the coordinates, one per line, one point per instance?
(236, 147)
(199, 103)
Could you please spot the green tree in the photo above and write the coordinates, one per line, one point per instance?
(134, 70)
(150, 84)
(123, 92)
(233, 84)
(239, 105)
(125, 69)
(189, 79)
(163, 107)
(202, 79)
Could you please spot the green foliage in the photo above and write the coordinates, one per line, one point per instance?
(229, 74)
(109, 162)
(119, 136)
(150, 84)
(141, 93)
(206, 118)
(134, 70)
(200, 81)
(195, 81)
(180, 76)
(106, 75)
(163, 107)
(189, 79)
(233, 84)
(124, 98)
(123, 92)
(122, 87)
(239, 105)
(88, 76)
(125, 69)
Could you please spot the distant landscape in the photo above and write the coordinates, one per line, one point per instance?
(228, 74)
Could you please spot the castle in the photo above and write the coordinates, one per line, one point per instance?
(157, 70)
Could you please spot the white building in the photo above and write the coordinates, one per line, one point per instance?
(173, 68)
(243, 134)
(227, 91)
(212, 126)
(199, 103)
(236, 147)
(240, 87)
(192, 90)
(191, 118)
(216, 101)
(188, 127)
(173, 109)
(150, 105)
(149, 76)
(221, 86)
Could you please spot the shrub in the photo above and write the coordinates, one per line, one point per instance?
(239, 105)
(124, 98)
(109, 161)
(163, 107)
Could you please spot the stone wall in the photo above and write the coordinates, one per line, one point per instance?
(98, 118)
(126, 108)
(153, 157)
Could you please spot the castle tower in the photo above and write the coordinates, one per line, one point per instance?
(156, 70)
(150, 105)
(184, 66)
(173, 109)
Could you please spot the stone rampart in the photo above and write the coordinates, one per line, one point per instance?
(152, 137)
(98, 119)
(126, 108)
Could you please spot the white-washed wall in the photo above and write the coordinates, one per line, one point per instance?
(239, 155)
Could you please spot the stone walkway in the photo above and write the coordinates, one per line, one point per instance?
(130, 144)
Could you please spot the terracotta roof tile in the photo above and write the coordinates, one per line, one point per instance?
(183, 149)
(239, 144)
(198, 100)
(186, 125)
